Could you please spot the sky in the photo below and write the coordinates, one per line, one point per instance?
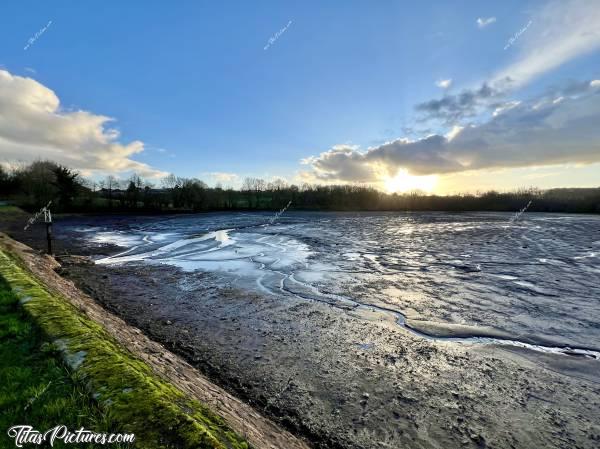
(441, 96)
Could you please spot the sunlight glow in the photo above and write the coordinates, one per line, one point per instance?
(403, 182)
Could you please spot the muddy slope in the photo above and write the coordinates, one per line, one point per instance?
(346, 382)
(244, 420)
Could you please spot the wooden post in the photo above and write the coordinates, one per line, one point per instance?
(48, 220)
(49, 236)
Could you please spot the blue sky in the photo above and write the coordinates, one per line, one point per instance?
(193, 82)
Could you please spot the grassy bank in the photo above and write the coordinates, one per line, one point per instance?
(9, 210)
(36, 388)
(127, 394)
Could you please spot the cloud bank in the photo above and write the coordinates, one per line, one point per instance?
(547, 130)
(33, 126)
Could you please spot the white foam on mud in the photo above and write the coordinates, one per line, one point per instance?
(247, 255)
(114, 238)
(586, 256)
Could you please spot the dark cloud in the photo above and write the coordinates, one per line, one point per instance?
(544, 131)
(422, 156)
(453, 108)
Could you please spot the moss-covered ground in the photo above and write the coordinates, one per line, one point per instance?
(36, 388)
(105, 386)
(4, 210)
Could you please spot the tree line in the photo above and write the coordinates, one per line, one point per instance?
(32, 186)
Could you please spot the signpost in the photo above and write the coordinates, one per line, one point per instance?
(47, 219)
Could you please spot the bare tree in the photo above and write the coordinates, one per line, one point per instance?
(169, 181)
(247, 188)
(111, 183)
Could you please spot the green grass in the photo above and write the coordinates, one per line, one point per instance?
(126, 389)
(9, 209)
(35, 387)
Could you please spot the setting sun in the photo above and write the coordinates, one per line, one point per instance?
(403, 182)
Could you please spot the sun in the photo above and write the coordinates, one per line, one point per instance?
(403, 182)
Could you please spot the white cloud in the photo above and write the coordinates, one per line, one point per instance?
(444, 84)
(595, 83)
(561, 31)
(455, 131)
(556, 132)
(505, 107)
(223, 176)
(482, 22)
(33, 126)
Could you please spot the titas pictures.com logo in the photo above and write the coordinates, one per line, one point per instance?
(24, 434)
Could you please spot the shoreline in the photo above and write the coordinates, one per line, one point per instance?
(260, 432)
(309, 368)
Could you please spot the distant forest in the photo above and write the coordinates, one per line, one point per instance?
(32, 186)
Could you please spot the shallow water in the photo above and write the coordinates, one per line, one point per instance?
(538, 277)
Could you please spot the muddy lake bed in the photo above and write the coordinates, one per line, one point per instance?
(370, 330)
